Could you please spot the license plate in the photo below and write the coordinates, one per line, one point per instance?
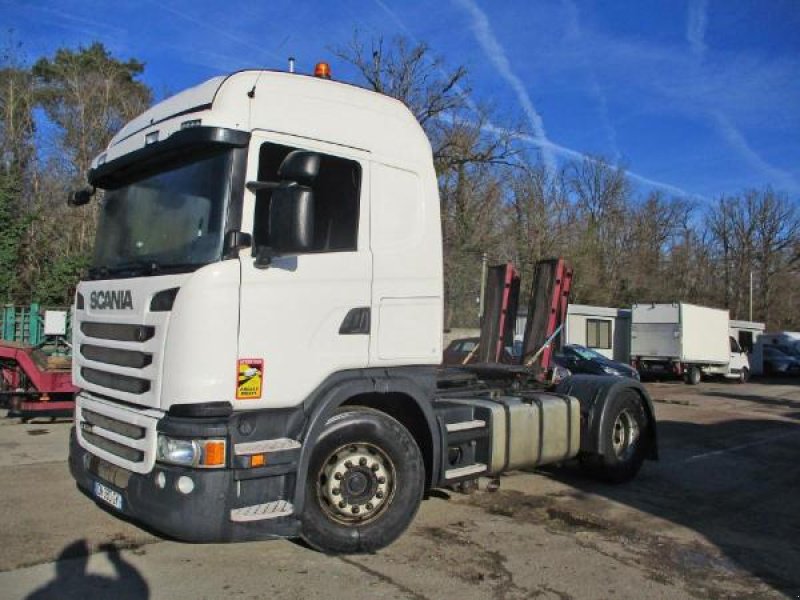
(108, 495)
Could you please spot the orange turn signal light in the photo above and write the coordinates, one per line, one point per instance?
(214, 454)
(323, 70)
(258, 460)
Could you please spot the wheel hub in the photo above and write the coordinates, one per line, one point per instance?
(356, 483)
(625, 435)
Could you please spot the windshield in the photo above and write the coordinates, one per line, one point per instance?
(173, 219)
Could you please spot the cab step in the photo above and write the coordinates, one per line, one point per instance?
(475, 469)
(465, 425)
(259, 512)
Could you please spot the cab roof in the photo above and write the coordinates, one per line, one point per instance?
(287, 103)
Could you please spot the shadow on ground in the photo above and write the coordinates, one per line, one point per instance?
(735, 483)
(72, 579)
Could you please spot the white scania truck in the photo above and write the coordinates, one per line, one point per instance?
(256, 343)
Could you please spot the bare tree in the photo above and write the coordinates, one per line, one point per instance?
(755, 232)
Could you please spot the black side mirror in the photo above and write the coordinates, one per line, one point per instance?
(291, 207)
(81, 197)
(291, 219)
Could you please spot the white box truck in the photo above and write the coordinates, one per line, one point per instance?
(256, 343)
(687, 340)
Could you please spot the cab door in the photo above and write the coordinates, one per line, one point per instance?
(738, 358)
(305, 316)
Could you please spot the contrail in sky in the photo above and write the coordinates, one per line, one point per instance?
(696, 26)
(575, 155)
(494, 51)
(574, 35)
(545, 145)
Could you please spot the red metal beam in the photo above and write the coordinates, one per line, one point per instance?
(559, 301)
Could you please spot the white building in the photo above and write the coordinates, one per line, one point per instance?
(603, 329)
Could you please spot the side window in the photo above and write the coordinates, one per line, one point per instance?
(746, 341)
(598, 333)
(336, 199)
(735, 345)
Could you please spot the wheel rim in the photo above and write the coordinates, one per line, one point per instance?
(625, 434)
(356, 483)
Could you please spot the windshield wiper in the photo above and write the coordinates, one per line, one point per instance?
(140, 268)
(98, 272)
(135, 267)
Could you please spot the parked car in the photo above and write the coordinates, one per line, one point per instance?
(779, 362)
(459, 349)
(579, 359)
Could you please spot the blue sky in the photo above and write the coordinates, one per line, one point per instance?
(700, 97)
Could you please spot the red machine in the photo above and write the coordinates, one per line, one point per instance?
(35, 384)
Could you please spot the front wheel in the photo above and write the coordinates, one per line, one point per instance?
(364, 483)
(624, 435)
(744, 375)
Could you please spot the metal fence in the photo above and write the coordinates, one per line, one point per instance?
(25, 324)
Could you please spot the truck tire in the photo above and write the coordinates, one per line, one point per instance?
(364, 483)
(744, 375)
(694, 376)
(623, 439)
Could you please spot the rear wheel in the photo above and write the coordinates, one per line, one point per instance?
(624, 436)
(694, 375)
(365, 483)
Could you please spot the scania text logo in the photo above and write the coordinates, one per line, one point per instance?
(116, 299)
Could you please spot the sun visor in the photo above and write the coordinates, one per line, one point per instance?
(183, 143)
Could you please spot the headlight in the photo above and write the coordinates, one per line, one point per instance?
(205, 454)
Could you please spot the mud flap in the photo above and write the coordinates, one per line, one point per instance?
(594, 392)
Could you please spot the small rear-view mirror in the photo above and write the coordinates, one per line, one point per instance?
(80, 197)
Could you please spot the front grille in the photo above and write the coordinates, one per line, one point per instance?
(115, 381)
(115, 356)
(119, 360)
(111, 446)
(114, 432)
(133, 432)
(118, 332)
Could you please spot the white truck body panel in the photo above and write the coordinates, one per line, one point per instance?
(407, 283)
(195, 366)
(680, 332)
(704, 334)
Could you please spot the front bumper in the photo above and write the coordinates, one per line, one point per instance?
(202, 515)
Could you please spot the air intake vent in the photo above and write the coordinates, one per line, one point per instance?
(118, 332)
(114, 381)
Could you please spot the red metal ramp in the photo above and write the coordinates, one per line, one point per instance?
(547, 311)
